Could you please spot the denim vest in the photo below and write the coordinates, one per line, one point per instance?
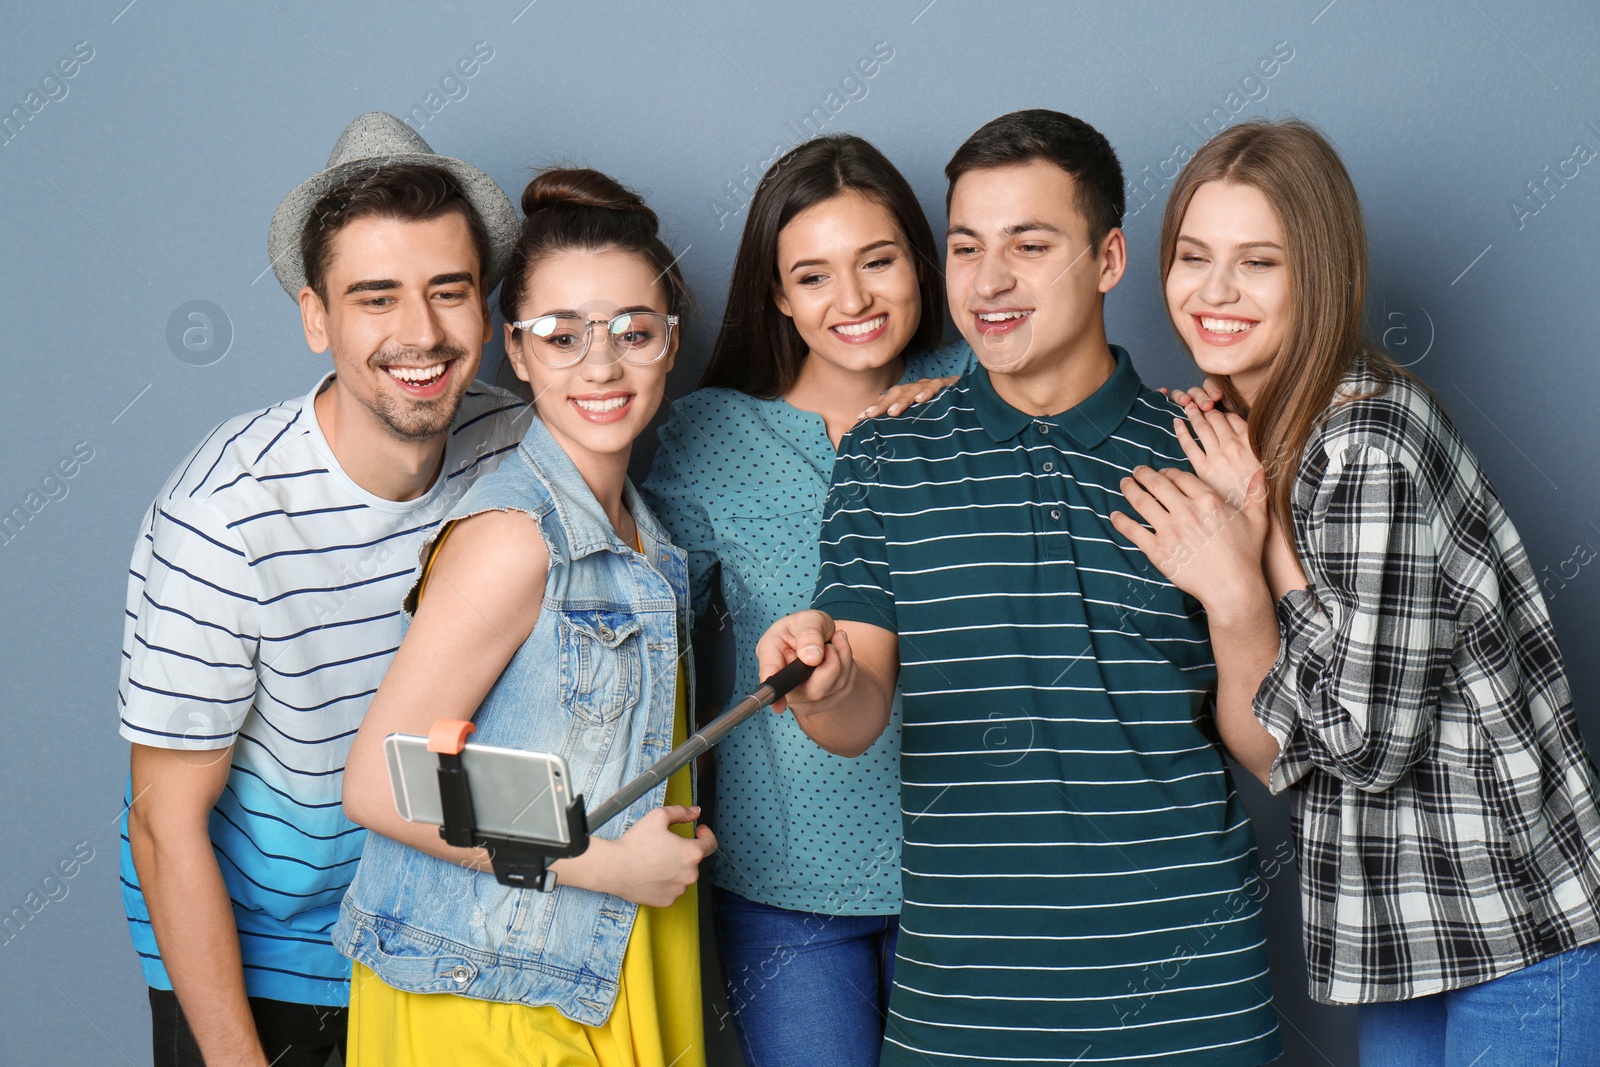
(595, 682)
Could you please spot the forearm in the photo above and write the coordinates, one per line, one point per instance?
(424, 837)
(1244, 638)
(596, 868)
(199, 941)
(850, 721)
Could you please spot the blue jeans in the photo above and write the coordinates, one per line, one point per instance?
(805, 988)
(1545, 1015)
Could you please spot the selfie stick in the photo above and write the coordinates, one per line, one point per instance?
(523, 863)
(773, 688)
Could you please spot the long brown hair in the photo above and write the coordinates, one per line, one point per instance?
(759, 351)
(1301, 176)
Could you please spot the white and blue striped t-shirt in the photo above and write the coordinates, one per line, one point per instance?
(263, 608)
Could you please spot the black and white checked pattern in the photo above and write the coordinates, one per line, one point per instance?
(1444, 804)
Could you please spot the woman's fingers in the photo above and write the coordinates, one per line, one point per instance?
(901, 397)
(1203, 428)
(1134, 531)
(1227, 427)
(1186, 441)
(677, 813)
(1190, 485)
(1159, 485)
(1139, 498)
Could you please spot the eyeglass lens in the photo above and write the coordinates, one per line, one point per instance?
(637, 337)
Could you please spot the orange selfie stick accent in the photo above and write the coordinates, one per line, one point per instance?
(450, 736)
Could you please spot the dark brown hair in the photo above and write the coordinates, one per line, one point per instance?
(759, 351)
(582, 210)
(412, 192)
(1070, 143)
(1302, 178)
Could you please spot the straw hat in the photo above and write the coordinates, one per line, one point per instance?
(372, 141)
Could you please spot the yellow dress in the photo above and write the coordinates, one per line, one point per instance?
(656, 1021)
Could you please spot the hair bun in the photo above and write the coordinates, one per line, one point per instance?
(580, 187)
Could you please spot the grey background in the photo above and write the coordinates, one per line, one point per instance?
(150, 182)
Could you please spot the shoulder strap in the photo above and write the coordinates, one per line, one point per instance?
(415, 596)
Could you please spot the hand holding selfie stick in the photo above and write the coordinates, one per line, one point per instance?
(522, 863)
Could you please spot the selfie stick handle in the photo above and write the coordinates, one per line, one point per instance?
(772, 689)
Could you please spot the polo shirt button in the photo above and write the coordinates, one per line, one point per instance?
(1048, 466)
(1055, 513)
(1044, 427)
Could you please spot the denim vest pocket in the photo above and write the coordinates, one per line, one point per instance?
(601, 663)
(403, 959)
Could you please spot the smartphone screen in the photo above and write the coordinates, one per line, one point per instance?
(516, 794)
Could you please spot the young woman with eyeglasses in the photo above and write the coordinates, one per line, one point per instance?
(549, 614)
(836, 297)
(1413, 699)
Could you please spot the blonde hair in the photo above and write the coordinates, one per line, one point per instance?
(1301, 176)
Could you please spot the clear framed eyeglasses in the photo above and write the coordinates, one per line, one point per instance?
(637, 337)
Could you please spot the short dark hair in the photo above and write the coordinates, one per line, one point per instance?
(412, 192)
(1070, 143)
(759, 351)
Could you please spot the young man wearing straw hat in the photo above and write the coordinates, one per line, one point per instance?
(264, 601)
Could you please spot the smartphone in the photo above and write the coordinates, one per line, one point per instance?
(515, 794)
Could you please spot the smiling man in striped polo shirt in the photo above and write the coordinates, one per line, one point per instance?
(264, 598)
(1079, 875)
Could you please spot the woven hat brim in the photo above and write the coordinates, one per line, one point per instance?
(482, 191)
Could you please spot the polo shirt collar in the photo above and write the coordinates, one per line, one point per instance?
(1088, 423)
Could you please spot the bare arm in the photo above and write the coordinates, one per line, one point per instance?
(844, 705)
(1244, 639)
(482, 601)
(170, 838)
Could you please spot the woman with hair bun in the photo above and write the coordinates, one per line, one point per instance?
(1413, 700)
(836, 297)
(548, 613)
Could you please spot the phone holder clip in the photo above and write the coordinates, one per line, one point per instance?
(517, 863)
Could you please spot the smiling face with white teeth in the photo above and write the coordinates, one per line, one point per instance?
(1228, 290)
(405, 323)
(1026, 287)
(847, 279)
(594, 409)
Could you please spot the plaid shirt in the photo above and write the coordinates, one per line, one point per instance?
(1443, 804)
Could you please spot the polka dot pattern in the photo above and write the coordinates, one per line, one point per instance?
(740, 484)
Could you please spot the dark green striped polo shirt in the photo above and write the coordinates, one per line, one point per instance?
(1080, 880)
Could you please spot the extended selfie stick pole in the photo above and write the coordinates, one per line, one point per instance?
(773, 688)
(523, 863)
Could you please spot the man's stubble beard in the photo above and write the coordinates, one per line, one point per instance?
(412, 420)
